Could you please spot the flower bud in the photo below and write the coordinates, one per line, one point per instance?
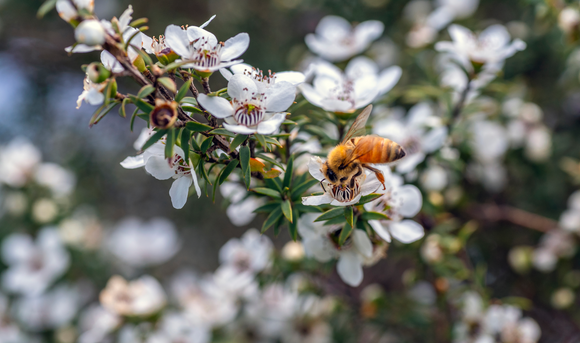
(90, 32)
(164, 114)
(97, 72)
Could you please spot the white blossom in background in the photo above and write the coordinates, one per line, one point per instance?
(142, 244)
(398, 201)
(554, 244)
(344, 92)
(569, 19)
(95, 323)
(365, 184)
(141, 297)
(153, 159)
(526, 129)
(260, 77)
(202, 48)
(252, 109)
(51, 310)
(335, 39)
(92, 93)
(434, 178)
(420, 133)
(489, 48)
(176, 327)
(68, 12)
(82, 229)
(252, 252)
(9, 330)
(570, 219)
(321, 243)
(242, 203)
(271, 310)
(447, 11)
(18, 162)
(60, 181)
(33, 265)
(303, 146)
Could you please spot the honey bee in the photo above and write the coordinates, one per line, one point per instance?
(346, 161)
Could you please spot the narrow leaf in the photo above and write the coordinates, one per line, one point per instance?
(197, 127)
(185, 138)
(349, 215)
(122, 111)
(245, 161)
(288, 176)
(46, 7)
(228, 170)
(270, 160)
(145, 91)
(293, 227)
(206, 144)
(267, 208)
(195, 144)
(335, 212)
(238, 139)
(307, 209)
(374, 216)
(267, 191)
(216, 184)
(133, 118)
(142, 105)
(274, 216)
(223, 132)
(183, 90)
(369, 198)
(262, 141)
(299, 190)
(168, 83)
(101, 113)
(287, 210)
(170, 143)
(344, 234)
(153, 139)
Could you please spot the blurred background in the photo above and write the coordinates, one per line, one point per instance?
(39, 85)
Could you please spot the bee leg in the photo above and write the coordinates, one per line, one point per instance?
(378, 173)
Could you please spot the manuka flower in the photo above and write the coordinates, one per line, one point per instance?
(251, 110)
(336, 40)
(92, 93)
(202, 48)
(263, 80)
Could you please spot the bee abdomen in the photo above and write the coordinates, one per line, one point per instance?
(383, 150)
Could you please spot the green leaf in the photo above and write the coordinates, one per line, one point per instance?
(289, 122)
(238, 139)
(267, 208)
(122, 111)
(274, 183)
(346, 231)
(153, 139)
(108, 90)
(273, 141)
(368, 198)
(175, 65)
(142, 105)
(189, 100)
(206, 144)
(307, 209)
(299, 190)
(273, 218)
(335, 221)
(183, 91)
(170, 143)
(195, 144)
(145, 91)
(192, 109)
(197, 127)
(101, 112)
(288, 176)
(374, 216)
(133, 118)
(267, 191)
(143, 55)
(270, 160)
(349, 215)
(216, 183)
(223, 132)
(201, 171)
(262, 141)
(245, 161)
(287, 210)
(293, 227)
(335, 212)
(185, 138)
(168, 83)
(228, 170)
(46, 7)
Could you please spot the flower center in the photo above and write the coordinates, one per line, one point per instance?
(344, 92)
(180, 166)
(259, 76)
(250, 111)
(205, 55)
(344, 193)
(389, 203)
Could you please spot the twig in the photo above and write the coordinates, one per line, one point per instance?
(205, 84)
(459, 106)
(495, 213)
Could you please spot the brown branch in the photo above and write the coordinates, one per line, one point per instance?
(205, 84)
(495, 213)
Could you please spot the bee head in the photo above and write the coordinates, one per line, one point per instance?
(329, 173)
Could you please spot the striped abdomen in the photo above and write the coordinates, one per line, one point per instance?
(377, 149)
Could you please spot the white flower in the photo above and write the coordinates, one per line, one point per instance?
(508, 322)
(252, 109)
(398, 201)
(489, 48)
(336, 40)
(90, 32)
(50, 310)
(202, 48)
(569, 19)
(553, 245)
(92, 93)
(252, 252)
(271, 310)
(153, 159)
(449, 10)
(570, 219)
(33, 266)
(68, 12)
(175, 327)
(95, 323)
(242, 206)
(526, 129)
(262, 80)
(320, 242)
(18, 162)
(365, 184)
(141, 297)
(60, 181)
(434, 178)
(490, 140)
(142, 244)
(420, 133)
(359, 85)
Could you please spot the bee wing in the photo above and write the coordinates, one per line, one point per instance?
(358, 127)
(362, 147)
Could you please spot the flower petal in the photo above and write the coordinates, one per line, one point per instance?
(333, 28)
(362, 242)
(349, 268)
(241, 87)
(235, 46)
(311, 94)
(110, 62)
(176, 39)
(133, 162)
(389, 78)
(179, 191)
(406, 231)
(294, 77)
(316, 200)
(244, 130)
(217, 106)
(159, 168)
(226, 73)
(434, 139)
(380, 230)
(195, 182)
(268, 127)
(207, 22)
(361, 66)
(280, 96)
(368, 31)
(411, 200)
(197, 33)
(315, 168)
(409, 162)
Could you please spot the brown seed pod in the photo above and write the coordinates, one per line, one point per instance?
(164, 114)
